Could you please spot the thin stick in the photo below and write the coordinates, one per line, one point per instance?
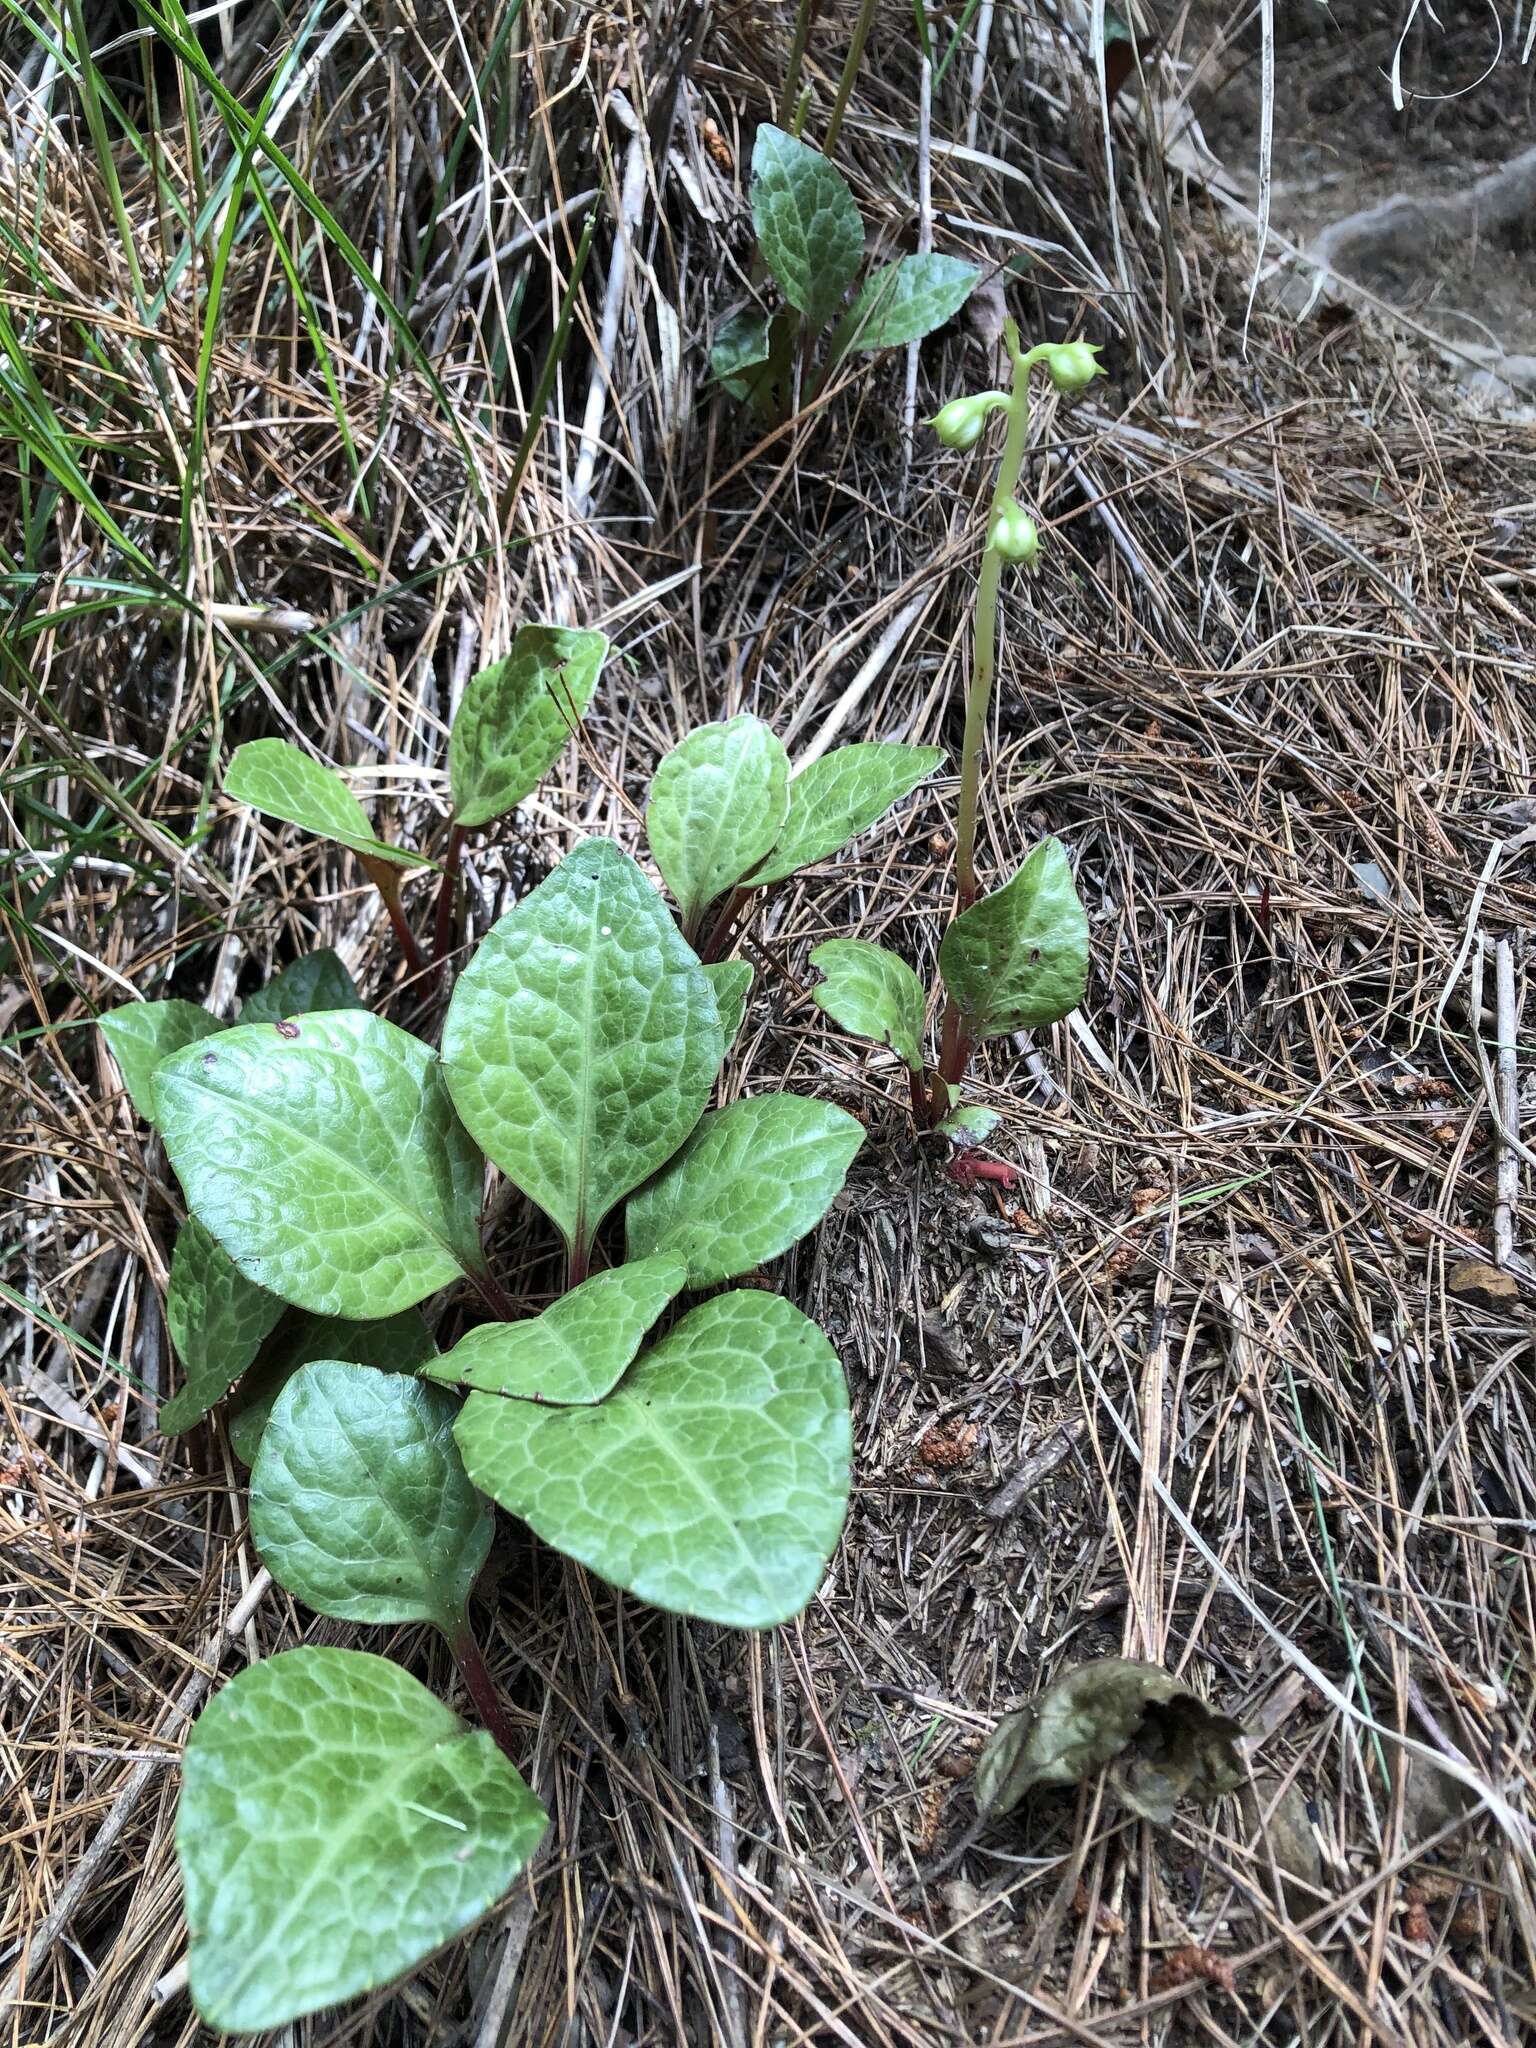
(1508, 1091)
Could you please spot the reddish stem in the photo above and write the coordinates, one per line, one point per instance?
(447, 900)
(922, 1107)
(719, 938)
(385, 877)
(577, 1262)
(496, 1298)
(476, 1675)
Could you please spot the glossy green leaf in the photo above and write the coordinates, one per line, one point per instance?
(753, 1178)
(516, 716)
(359, 1503)
(400, 1343)
(874, 994)
(317, 982)
(718, 803)
(578, 1349)
(281, 781)
(325, 1157)
(969, 1125)
(808, 227)
(840, 796)
(905, 300)
(1019, 958)
(141, 1035)
(1161, 1738)
(742, 344)
(217, 1320)
(337, 1824)
(731, 980)
(583, 1039)
(712, 1482)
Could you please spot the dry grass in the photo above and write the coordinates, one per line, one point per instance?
(1246, 1426)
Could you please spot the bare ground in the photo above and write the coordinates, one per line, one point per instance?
(1273, 691)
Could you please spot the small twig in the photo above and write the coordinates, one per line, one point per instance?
(1038, 1466)
(1508, 1098)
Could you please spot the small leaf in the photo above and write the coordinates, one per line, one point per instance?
(277, 779)
(317, 982)
(969, 1125)
(840, 796)
(742, 344)
(1163, 1740)
(714, 1480)
(516, 716)
(905, 300)
(359, 1503)
(217, 1320)
(717, 805)
(730, 980)
(578, 1349)
(582, 1040)
(141, 1035)
(808, 227)
(325, 1157)
(753, 1179)
(398, 1344)
(874, 994)
(1019, 958)
(337, 1824)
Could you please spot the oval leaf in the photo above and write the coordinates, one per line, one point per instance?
(583, 1039)
(317, 982)
(217, 1320)
(753, 1178)
(398, 1344)
(578, 1349)
(905, 300)
(359, 1503)
(742, 343)
(1019, 958)
(326, 1158)
(718, 803)
(278, 779)
(840, 796)
(337, 1824)
(730, 980)
(714, 1480)
(808, 227)
(516, 716)
(873, 994)
(141, 1035)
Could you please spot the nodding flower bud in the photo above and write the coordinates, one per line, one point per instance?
(1073, 365)
(1014, 534)
(959, 424)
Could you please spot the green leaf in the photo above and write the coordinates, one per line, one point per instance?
(583, 1039)
(840, 796)
(1019, 958)
(578, 1349)
(217, 1320)
(730, 980)
(714, 1480)
(398, 1344)
(969, 1125)
(873, 994)
(717, 805)
(742, 343)
(337, 1824)
(141, 1035)
(753, 1178)
(808, 227)
(1165, 1743)
(277, 779)
(359, 1503)
(325, 1157)
(317, 982)
(516, 716)
(905, 300)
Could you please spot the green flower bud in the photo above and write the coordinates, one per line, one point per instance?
(959, 424)
(1073, 365)
(1014, 534)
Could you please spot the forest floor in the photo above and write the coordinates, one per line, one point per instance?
(1224, 1381)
